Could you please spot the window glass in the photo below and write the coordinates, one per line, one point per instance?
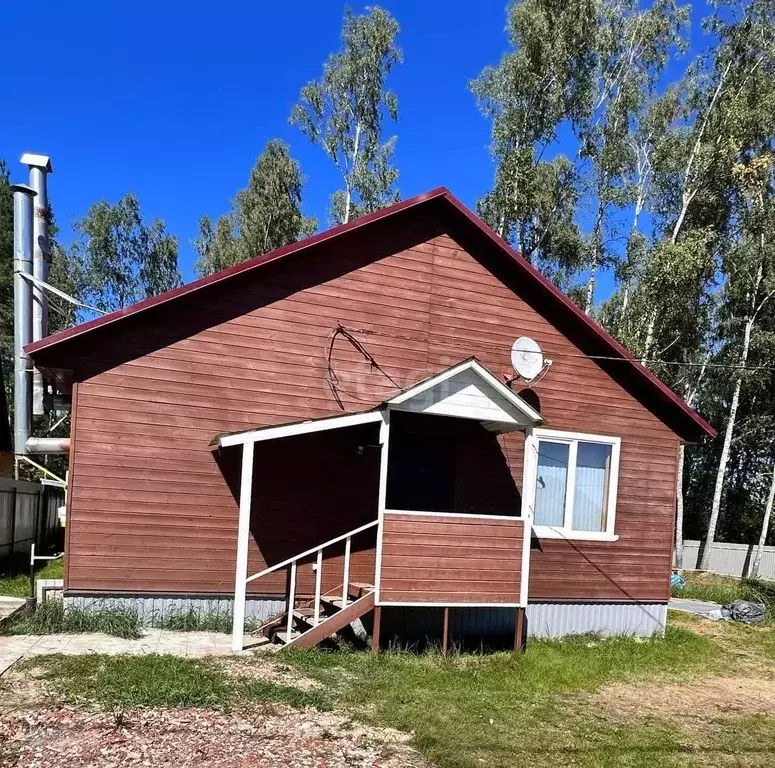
(551, 483)
(590, 497)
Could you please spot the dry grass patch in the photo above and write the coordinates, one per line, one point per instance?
(270, 668)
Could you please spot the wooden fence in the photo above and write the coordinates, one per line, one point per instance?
(28, 514)
(731, 559)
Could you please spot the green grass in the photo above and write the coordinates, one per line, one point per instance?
(726, 589)
(51, 618)
(15, 580)
(118, 682)
(504, 710)
(197, 621)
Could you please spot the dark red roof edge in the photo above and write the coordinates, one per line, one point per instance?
(616, 349)
(225, 274)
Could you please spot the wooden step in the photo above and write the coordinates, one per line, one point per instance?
(332, 624)
(283, 636)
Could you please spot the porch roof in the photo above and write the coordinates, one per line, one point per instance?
(466, 390)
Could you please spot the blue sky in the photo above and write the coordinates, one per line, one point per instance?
(174, 100)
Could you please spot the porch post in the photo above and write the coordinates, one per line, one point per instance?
(243, 537)
(384, 441)
(519, 630)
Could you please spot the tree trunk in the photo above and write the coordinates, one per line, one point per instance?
(649, 337)
(590, 297)
(724, 460)
(679, 509)
(351, 175)
(757, 560)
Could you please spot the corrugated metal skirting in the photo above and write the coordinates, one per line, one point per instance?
(560, 619)
(543, 620)
(154, 609)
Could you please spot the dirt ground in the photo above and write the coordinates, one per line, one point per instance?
(688, 701)
(39, 731)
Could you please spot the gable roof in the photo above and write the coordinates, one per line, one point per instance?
(688, 424)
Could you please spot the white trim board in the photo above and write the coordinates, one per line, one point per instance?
(469, 515)
(467, 390)
(449, 605)
(552, 532)
(300, 428)
(384, 441)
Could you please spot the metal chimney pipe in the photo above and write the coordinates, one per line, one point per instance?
(22, 314)
(40, 167)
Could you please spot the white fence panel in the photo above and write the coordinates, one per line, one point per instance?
(731, 559)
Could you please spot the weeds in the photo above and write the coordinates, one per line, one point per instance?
(51, 617)
(199, 621)
(502, 709)
(196, 621)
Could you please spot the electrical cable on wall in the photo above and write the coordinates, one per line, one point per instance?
(332, 379)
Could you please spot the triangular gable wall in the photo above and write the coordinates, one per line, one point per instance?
(468, 391)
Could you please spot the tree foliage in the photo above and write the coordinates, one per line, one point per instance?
(118, 259)
(669, 194)
(343, 112)
(264, 216)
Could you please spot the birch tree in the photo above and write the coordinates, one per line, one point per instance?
(344, 110)
(544, 81)
(633, 49)
(747, 57)
(757, 559)
(264, 216)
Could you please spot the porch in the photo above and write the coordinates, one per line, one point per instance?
(447, 527)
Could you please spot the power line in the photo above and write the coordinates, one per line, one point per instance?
(607, 358)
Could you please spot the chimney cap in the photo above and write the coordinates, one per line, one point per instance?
(23, 188)
(37, 161)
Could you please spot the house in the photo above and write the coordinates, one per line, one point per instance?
(337, 426)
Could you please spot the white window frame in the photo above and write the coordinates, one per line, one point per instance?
(530, 478)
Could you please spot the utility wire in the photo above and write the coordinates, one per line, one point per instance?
(610, 358)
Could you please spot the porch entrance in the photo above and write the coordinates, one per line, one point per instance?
(450, 527)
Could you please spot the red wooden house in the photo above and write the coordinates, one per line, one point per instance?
(338, 424)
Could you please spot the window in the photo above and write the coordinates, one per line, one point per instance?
(571, 480)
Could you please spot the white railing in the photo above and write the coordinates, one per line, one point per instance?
(293, 562)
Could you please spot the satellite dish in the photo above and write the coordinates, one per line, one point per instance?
(527, 358)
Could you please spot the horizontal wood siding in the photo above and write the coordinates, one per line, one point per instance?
(151, 508)
(447, 559)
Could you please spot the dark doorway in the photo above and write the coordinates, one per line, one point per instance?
(421, 474)
(443, 464)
